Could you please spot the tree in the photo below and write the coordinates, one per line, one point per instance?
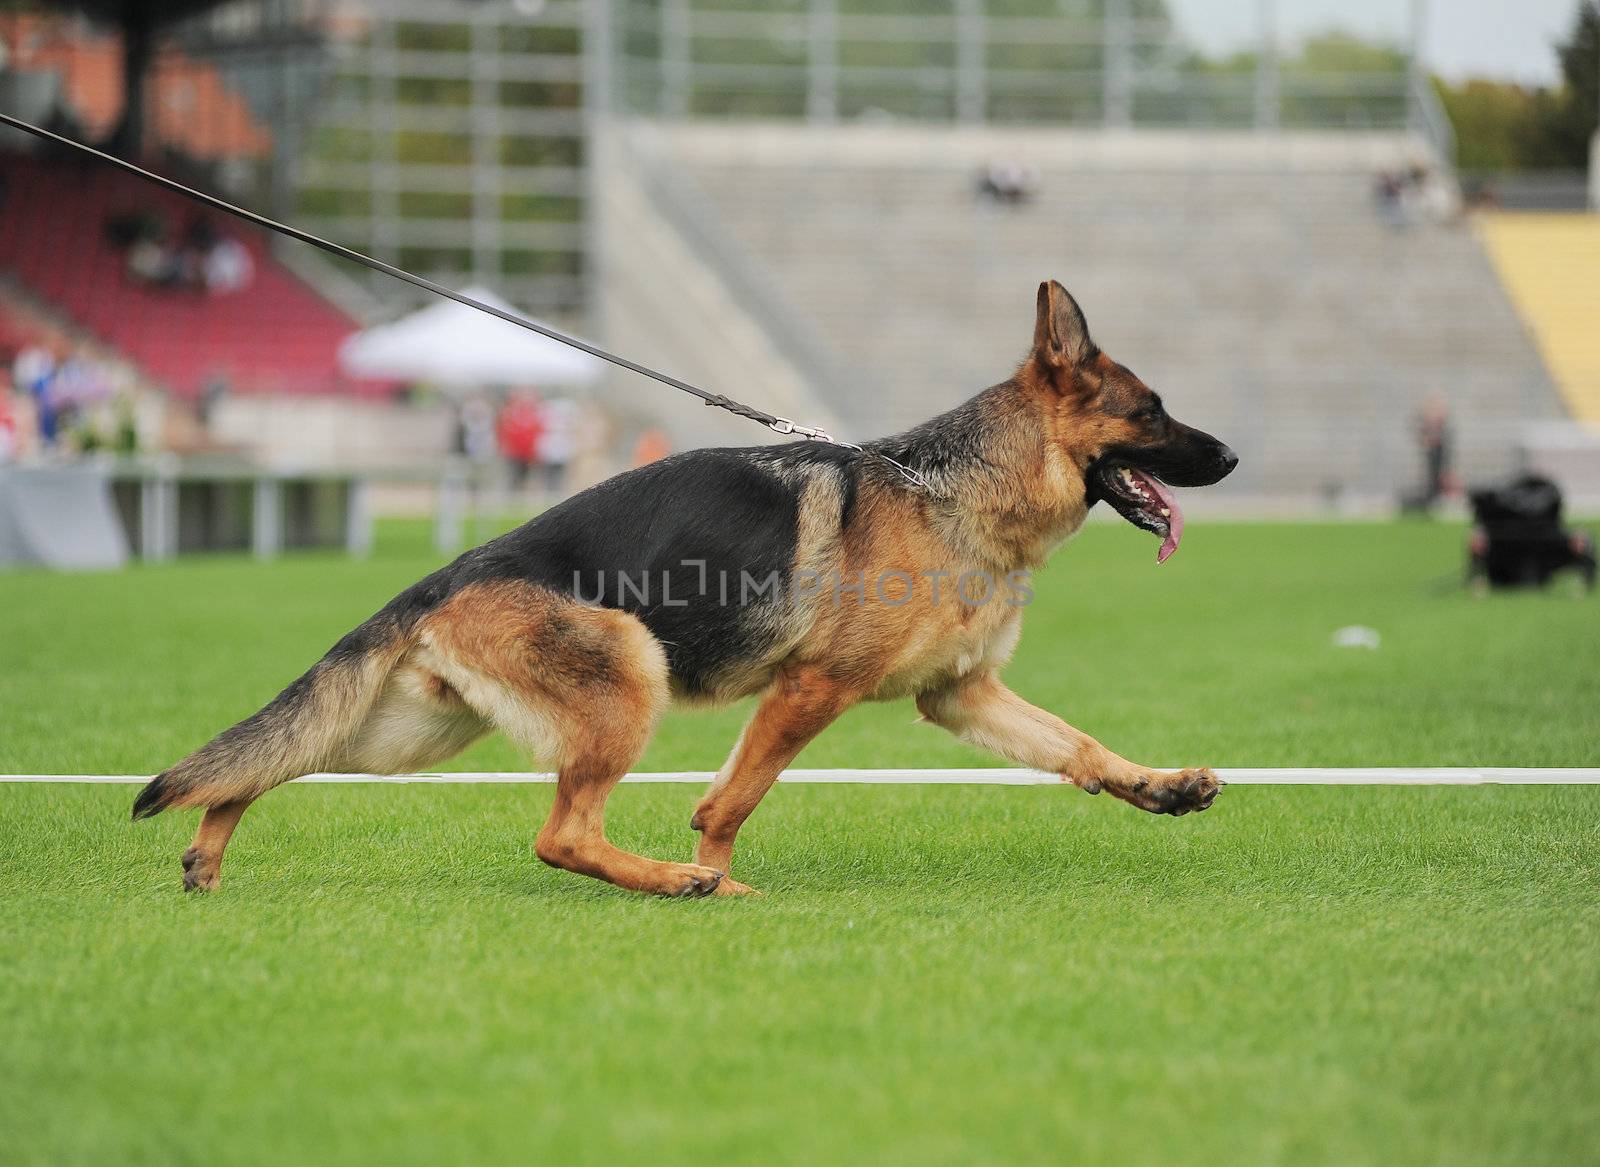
(1570, 115)
(1501, 127)
(1496, 124)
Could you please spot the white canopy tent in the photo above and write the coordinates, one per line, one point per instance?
(453, 346)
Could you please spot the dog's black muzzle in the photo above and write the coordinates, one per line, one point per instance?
(1184, 457)
(1188, 457)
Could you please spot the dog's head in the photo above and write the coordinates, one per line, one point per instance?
(1114, 428)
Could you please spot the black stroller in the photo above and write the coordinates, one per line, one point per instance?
(1519, 540)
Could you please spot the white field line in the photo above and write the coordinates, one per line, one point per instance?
(1379, 776)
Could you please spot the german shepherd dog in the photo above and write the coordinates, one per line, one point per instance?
(572, 633)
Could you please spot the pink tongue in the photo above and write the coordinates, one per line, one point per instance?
(1174, 520)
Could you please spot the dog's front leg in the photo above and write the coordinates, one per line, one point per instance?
(800, 704)
(981, 710)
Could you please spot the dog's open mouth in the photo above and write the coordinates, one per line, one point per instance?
(1144, 501)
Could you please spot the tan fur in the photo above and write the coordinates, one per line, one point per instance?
(418, 721)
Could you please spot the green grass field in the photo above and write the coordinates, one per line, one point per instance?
(936, 975)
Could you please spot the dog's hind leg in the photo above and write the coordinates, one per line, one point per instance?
(801, 703)
(202, 862)
(581, 686)
(416, 722)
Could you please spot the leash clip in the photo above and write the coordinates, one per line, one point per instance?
(783, 425)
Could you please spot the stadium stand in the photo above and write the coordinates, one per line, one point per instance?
(1249, 276)
(278, 336)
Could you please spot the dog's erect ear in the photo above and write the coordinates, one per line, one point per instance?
(1060, 336)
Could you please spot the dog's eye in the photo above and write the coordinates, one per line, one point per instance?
(1148, 413)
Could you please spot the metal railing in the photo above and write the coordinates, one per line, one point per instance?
(1430, 119)
(813, 60)
(442, 135)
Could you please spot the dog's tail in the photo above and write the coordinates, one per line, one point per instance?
(301, 731)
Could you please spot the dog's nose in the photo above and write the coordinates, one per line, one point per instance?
(1227, 459)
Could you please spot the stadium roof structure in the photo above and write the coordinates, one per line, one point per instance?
(89, 69)
(152, 13)
(138, 21)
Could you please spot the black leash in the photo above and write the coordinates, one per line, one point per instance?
(780, 425)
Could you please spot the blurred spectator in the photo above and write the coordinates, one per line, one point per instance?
(61, 387)
(1437, 199)
(80, 382)
(1519, 540)
(126, 439)
(32, 372)
(212, 394)
(521, 427)
(1389, 191)
(194, 250)
(475, 430)
(1434, 441)
(591, 463)
(10, 438)
(1415, 195)
(558, 444)
(204, 258)
(142, 234)
(227, 267)
(151, 261)
(200, 236)
(1008, 182)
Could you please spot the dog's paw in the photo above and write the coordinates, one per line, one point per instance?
(200, 871)
(1175, 794)
(732, 887)
(690, 880)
